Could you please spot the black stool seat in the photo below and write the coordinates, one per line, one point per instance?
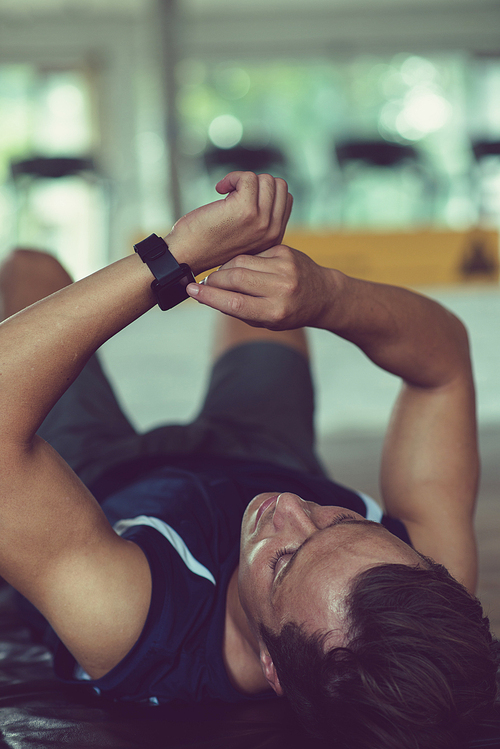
(375, 153)
(51, 167)
(242, 158)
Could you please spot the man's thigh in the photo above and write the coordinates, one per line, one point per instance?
(259, 405)
(87, 426)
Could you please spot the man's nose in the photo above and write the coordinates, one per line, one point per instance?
(291, 509)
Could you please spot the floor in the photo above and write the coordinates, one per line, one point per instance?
(159, 367)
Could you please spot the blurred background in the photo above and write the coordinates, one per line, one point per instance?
(118, 116)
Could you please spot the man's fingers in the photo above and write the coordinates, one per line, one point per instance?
(252, 262)
(280, 210)
(262, 260)
(237, 181)
(228, 302)
(268, 194)
(289, 206)
(243, 279)
(263, 290)
(267, 267)
(263, 205)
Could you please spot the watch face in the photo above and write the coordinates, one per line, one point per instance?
(174, 291)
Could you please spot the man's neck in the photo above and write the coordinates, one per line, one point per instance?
(240, 647)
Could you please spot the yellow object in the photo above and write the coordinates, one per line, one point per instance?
(419, 258)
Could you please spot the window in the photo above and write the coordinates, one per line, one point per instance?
(46, 115)
(311, 124)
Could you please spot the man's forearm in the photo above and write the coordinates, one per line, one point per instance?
(430, 465)
(402, 332)
(44, 347)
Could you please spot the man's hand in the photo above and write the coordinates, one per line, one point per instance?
(279, 289)
(252, 218)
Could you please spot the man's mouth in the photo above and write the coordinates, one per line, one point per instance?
(263, 507)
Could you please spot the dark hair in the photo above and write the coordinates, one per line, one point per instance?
(418, 668)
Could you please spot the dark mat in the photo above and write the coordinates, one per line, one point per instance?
(38, 712)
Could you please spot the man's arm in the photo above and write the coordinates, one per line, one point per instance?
(430, 463)
(56, 545)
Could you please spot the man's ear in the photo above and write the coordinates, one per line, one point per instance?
(269, 671)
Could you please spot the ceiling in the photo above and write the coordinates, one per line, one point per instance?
(268, 28)
(91, 7)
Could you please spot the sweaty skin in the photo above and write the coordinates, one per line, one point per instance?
(298, 558)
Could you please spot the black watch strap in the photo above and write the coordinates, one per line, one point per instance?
(171, 278)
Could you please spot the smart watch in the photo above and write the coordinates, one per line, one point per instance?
(171, 278)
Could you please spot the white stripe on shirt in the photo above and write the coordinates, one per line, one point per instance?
(177, 542)
(373, 510)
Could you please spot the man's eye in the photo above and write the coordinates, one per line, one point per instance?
(280, 553)
(340, 518)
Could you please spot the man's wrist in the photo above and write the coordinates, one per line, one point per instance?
(170, 277)
(183, 254)
(331, 308)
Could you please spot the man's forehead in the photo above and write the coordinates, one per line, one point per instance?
(321, 542)
(316, 591)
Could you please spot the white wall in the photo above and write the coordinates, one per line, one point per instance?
(119, 51)
(339, 27)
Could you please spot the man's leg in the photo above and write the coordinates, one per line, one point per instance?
(259, 403)
(260, 400)
(27, 276)
(86, 426)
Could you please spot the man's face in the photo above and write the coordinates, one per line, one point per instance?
(298, 558)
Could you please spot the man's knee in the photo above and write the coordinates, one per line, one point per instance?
(26, 276)
(25, 260)
(25, 265)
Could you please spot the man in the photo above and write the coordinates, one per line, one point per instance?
(373, 643)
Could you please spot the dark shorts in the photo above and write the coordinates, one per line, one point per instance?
(259, 406)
